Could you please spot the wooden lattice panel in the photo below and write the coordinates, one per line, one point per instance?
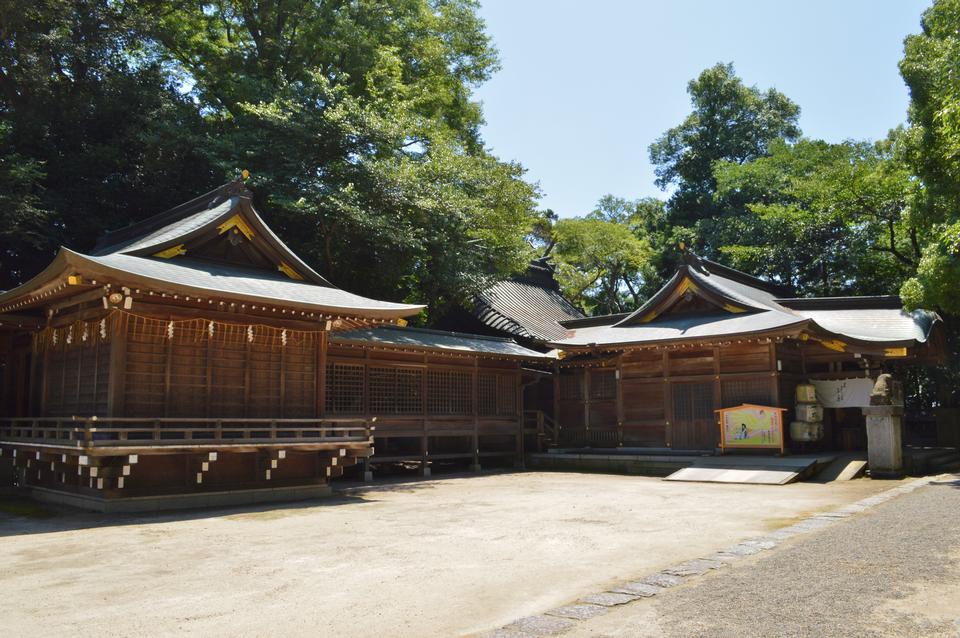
(449, 392)
(393, 390)
(739, 391)
(344, 388)
(571, 385)
(603, 384)
(487, 394)
(506, 395)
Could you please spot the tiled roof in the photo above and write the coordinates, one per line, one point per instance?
(418, 338)
(686, 326)
(528, 306)
(755, 307)
(255, 285)
(129, 256)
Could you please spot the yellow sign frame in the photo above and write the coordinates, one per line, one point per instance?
(774, 415)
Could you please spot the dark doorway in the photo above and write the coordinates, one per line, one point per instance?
(694, 424)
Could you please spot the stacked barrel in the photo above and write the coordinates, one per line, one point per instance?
(808, 426)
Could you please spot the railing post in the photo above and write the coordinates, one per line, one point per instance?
(218, 430)
(156, 429)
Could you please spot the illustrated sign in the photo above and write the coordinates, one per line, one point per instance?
(751, 427)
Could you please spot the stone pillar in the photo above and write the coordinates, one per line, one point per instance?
(885, 428)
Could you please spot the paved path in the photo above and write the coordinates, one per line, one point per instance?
(892, 570)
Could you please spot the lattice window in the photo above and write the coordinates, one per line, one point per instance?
(395, 390)
(571, 388)
(409, 391)
(734, 393)
(603, 384)
(487, 393)
(344, 388)
(497, 394)
(449, 392)
(506, 395)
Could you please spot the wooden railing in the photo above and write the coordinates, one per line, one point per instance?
(91, 432)
(547, 429)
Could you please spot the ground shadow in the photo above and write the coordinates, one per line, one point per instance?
(19, 515)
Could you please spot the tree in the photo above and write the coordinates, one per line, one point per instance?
(357, 123)
(825, 219)
(929, 67)
(730, 122)
(92, 135)
(604, 260)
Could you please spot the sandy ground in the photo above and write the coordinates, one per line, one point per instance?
(890, 572)
(443, 557)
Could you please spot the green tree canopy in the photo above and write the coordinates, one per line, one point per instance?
(355, 118)
(357, 123)
(606, 261)
(90, 136)
(826, 219)
(730, 122)
(929, 67)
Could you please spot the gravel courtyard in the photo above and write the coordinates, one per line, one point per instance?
(444, 557)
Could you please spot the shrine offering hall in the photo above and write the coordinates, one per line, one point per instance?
(193, 358)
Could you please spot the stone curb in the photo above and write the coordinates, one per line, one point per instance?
(562, 619)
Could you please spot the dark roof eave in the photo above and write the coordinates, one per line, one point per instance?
(380, 345)
(840, 303)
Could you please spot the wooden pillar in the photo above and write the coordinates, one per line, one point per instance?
(618, 389)
(476, 415)
(774, 375)
(518, 388)
(167, 365)
(283, 380)
(585, 386)
(667, 400)
(424, 438)
(208, 390)
(320, 375)
(118, 367)
(246, 377)
(556, 397)
(717, 386)
(41, 379)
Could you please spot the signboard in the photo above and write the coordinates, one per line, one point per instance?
(844, 393)
(751, 427)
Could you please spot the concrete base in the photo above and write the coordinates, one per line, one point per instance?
(367, 476)
(884, 441)
(425, 470)
(181, 501)
(475, 467)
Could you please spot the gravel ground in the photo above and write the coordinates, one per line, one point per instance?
(442, 557)
(893, 571)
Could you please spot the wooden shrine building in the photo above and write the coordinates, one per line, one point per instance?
(713, 338)
(194, 353)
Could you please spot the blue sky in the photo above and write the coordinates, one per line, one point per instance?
(586, 86)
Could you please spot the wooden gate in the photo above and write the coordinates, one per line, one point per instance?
(694, 424)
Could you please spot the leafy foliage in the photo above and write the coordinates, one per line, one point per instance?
(91, 136)
(356, 121)
(826, 219)
(929, 67)
(355, 118)
(729, 122)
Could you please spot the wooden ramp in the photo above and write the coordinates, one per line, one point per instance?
(843, 468)
(750, 470)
